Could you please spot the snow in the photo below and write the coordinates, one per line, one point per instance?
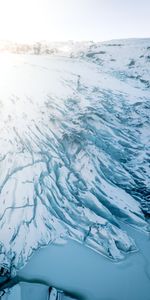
(74, 150)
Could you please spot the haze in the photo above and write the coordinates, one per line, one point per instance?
(53, 20)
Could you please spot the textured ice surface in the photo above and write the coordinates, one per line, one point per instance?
(33, 291)
(74, 149)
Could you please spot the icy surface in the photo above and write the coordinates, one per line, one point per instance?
(90, 276)
(74, 148)
(33, 291)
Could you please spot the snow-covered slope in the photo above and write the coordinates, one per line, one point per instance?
(74, 148)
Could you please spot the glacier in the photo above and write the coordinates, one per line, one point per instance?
(74, 149)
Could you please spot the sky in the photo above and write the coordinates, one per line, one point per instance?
(61, 20)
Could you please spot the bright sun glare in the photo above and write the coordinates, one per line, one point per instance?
(59, 20)
(23, 20)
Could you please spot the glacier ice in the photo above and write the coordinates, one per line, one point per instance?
(30, 291)
(74, 149)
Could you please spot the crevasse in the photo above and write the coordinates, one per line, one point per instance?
(74, 151)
